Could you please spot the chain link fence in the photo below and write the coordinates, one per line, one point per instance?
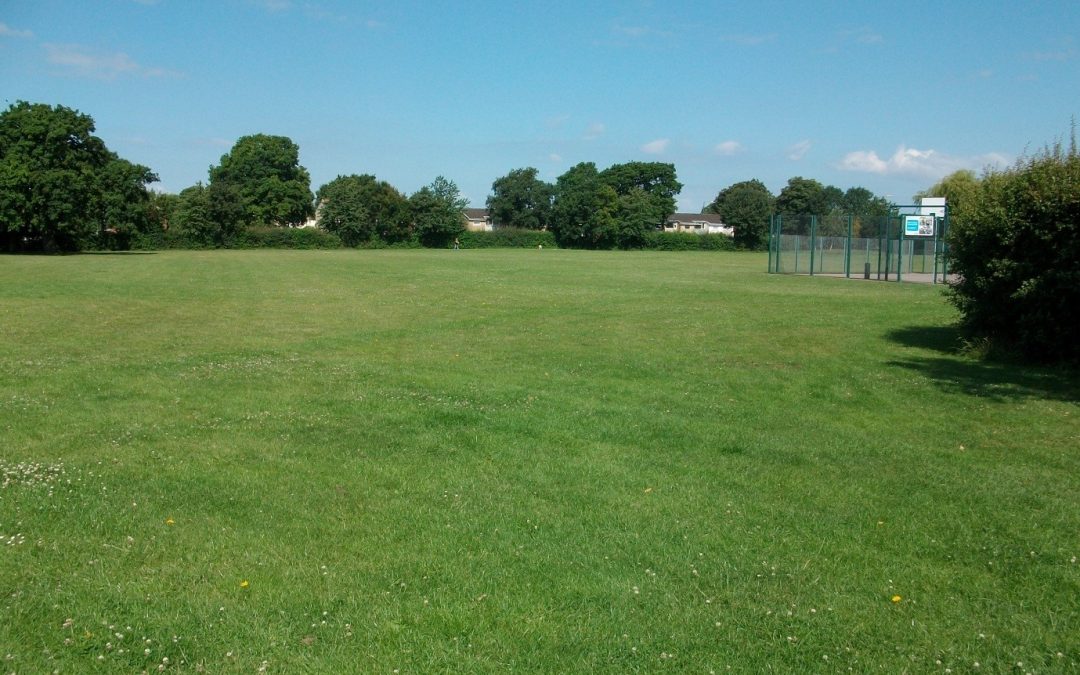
(864, 247)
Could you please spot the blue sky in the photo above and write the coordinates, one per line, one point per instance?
(886, 95)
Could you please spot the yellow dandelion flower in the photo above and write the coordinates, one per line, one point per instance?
(169, 521)
(896, 598)
(244, 583)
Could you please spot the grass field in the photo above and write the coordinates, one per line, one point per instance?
(520, 461)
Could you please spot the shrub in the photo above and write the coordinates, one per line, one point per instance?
(284, 237)
(1016, 250)
(686, 241)
(508, 237)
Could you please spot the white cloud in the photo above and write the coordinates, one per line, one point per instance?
(728, 148)
(273, 5)
(656, 147)
(799, 150)
(556, 121)
(636, 32)
(1059, 55)
(595, 131)
(102, 66)
(914, 162)
(555, 157)
(8, 31)
(864, 36)
(749, 40)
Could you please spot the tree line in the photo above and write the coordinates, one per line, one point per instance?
(62, 189)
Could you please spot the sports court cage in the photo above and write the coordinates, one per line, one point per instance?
(906, 244)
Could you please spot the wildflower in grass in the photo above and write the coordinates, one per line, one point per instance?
(170, 521)
(244, 583)
(896, 598)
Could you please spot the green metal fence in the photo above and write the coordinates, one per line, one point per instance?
(854, 246)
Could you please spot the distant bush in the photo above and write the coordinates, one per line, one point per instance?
(686, 241)
(175, 238)
(284, 237)
(507, 237)
(1016, 251)
(252, 237)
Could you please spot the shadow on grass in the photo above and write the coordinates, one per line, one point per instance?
(994, 379)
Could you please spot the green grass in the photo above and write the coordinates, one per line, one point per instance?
(496, 461)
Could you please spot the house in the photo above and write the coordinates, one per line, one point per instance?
(697, 223)
(477, 220)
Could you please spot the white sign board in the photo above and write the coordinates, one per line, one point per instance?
(919, 226)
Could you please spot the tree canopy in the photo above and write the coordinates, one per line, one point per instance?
(60, 186)
(520, 199)
(960, 190)
(272, 186)
(437, 212)
(802, 197)
(362, 208)
(746, 207)
(585, 208)
(655, 179)
(616, 207)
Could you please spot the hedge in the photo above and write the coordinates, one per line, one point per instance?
(507, 237)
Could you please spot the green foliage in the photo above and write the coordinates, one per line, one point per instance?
(362, 209)
(208, 215)
(285, 237)
(437, 212)
(1016, 252)
(655, 180)
(60, 187)
(868, 211)
(508, 237)
(584, 214)
(746, 207)
(687, 241)
(635, 218)
(521, 200)
(802, 196)
(271, 185)
(960, 190)
(617, 207)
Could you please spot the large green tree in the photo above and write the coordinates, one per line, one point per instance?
(746, 207)
(657, 180)
(60, 186)
(867, 210)
(802, 197)
(208, 215)
(437, 209)
(265, 171)
(362, 208)
(960, 190)
(520, 199)
(584, 214)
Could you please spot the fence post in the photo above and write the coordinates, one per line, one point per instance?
(900, 254)
(813, 241)
(772, 240)
(847, 247)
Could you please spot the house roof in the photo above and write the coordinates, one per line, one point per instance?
(476, 214)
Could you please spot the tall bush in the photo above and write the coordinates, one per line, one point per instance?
(1016, 250)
